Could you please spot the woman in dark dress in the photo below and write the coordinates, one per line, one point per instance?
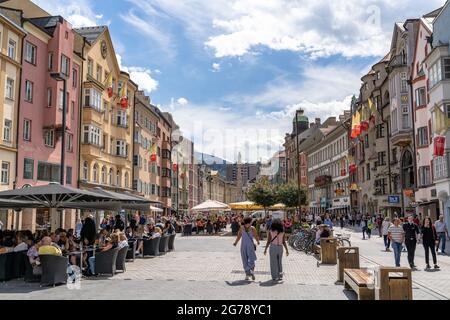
(429, 238)
(88, 232)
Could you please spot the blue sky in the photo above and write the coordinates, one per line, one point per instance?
(233, 72)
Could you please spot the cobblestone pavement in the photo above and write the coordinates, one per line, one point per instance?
(205, 268)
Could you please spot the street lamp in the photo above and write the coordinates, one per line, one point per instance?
(209, 179)
(62, 77)
(298, 155)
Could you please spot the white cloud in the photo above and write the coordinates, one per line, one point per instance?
(141, 76)
(351, 28)
(78, 12)
(182, 101)
(216, 67)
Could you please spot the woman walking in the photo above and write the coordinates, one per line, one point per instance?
(276, 240)
(248, 247)
(384, 229)
(429, 239)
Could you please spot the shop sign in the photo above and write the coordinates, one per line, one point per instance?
(394, 199)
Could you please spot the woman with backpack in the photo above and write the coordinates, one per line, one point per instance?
(276, 239)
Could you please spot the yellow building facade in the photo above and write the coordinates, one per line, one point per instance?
(106, 153)
(11, 37)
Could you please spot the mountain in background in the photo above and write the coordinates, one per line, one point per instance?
(213, 162)
(209, 159)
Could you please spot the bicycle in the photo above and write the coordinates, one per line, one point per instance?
(343, 239)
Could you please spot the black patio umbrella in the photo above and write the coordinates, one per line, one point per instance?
(18, 205)
(54, 195)
(127, 201)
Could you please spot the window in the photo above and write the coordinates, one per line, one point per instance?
(68, 175)
(48, 171)
(69, 142)
(61, 99)
(49, 97)
(65, 65)
(435, 74)
(5, 173)
(74, 77)
(90, 67)
(127, 185)
(86, 171)
(93, 99)
(421, 99)
(380, 131)
(95, 173)
(404, 86)
(12, 49)
(382, 158)
(447, 110)
(49, 138)
(7, 130)
(422, 136)
(98, 75)
(110, 177)
(405, 117)
(368, 171)
(440, 167)
(104, 175)
(9, 88)
(122, 118)
(118, 178)
(28, 91)
(425, 176)
(366, 141)
(121, 148)
(26, 129)
(92, 135)
(394, 155)
(50, 61)
(380, 187)
(28, 168)
(408, 170)
(446, 68)
(30, 53)
(72, 109)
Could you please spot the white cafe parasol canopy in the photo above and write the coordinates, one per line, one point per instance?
(211, 205)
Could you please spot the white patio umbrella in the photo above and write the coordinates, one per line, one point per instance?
(155, 209)
(211, 205)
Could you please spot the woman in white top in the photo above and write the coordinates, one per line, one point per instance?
(384, 229)
(276, 240)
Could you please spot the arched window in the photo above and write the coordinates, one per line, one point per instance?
(95, 173)
(118, 178)
(86, 171)
(104, 175)
(408, 170)
(110, 177)
(127, 185)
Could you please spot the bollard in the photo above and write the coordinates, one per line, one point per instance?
(348, 258)
(328, 248)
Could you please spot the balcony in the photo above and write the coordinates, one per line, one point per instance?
(166, 163)
(402, 138)
(91, 150)
(166, 145)
(397, 62)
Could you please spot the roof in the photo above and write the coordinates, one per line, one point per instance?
(47, 24)
(434, 13)
(91, 33)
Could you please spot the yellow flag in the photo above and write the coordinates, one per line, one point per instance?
(108, 81)
(153, 149)
(372, 107)
(365, 113)
(356, 120)
(123, 91)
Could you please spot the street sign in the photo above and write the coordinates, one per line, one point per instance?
(394, 199)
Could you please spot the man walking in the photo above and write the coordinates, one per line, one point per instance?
(442, 233)
(411, 231)
(397, 235)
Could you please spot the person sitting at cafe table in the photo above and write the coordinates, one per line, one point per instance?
(129, 233)
(47, 248)
(123, 241)
(157, 233)
(110, 243)
(33, 257)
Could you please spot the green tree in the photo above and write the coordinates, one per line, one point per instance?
(292, 196)
(263, 194)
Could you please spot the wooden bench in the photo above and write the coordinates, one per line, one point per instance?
(360, 281)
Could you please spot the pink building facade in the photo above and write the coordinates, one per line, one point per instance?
(48, 48)
(426, 195)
